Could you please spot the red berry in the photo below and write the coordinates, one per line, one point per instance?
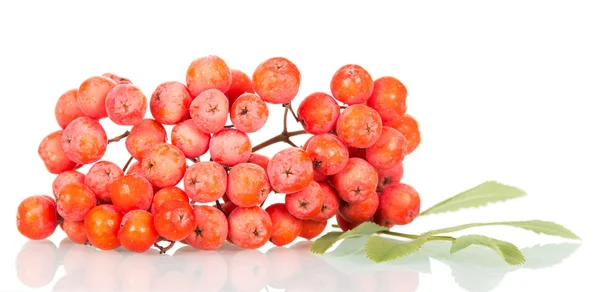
(208, 72)
(84, 140)
(164, 165)
(318, 113)
(131, 192)
(312, 229)
(409, 127)
(67, 109)
(137, 232)
(170, 103)
(66, 177)
(51, 152)
(399, 203)
(286, 227)
(331, 203)
(205, 181)
(167, 194)
(74, 201)
(344, 224)
(247, 185)
(276, 80)
(356, 181)
(116, 78)
(230, 147)
(211, 228)
(100, 176)
(360, 211)
(306, 203)
(328, 153)
(359, 126)
(388, 98)
(249, 113)
(102, 225)
(91, 96)
(187, 137)
(144, 135)
(290, 170)
(36, 217)
(382, 221)
(240, 84)
(75, 231)
(228, 207)
(250, 227)
(389, 176)
(126, 105)
(175, 220)
(260, 160)
(388, 151)
(351, 84)
(210, 111)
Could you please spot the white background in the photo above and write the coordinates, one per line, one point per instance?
(505, 91)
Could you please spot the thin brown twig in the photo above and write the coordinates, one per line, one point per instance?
(118, 138)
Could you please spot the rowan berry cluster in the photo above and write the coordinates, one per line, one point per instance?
(350, 167)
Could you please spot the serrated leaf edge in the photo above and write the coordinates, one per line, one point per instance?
(517, 261)
(432, 210)
(371, 256)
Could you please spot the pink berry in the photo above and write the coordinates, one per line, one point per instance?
(67, 109)
(328, 153)
(100, 176)
(290, 170)
(144, 135)
(210, 111)
(249, 113)
(359, 126)
(52, 154)
(230, 147)
(399, 203)
(306, 203)
(205, 181)
(247, 185)
(318, 113)
(84, 140)
(250, 227)
(389, 176)
(361, 211)
(356, 181)
(187, 137)
(211, 228)
(126, 104)
(170, 103)
(331, 202)
(388, 151)
(164, 165)
(65, 178)
(91, 96)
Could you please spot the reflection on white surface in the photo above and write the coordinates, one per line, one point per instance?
(291, 268)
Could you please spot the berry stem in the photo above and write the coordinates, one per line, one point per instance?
(127, 164)
(194, 159)
(289, 106)
(219, 206)
(118, 138)
(228, 126)
(410, 236)
(163, 250)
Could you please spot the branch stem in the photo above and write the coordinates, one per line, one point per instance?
(410, 236)
(118, 138)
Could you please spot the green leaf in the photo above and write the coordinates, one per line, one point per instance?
(537, 226)
(478, 196)
(321, 245)
(508, 251)
(380, 249)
